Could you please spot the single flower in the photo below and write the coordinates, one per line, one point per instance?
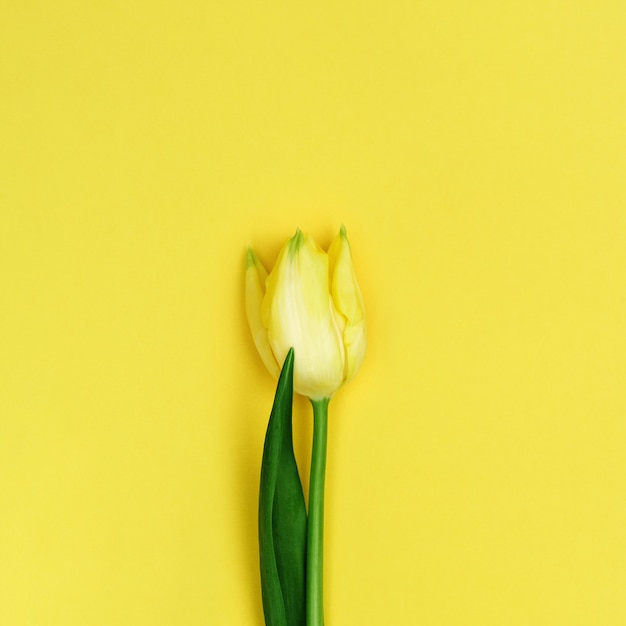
(310, 301)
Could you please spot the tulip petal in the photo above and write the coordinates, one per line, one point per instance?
(298, 312)
(256, 275)
(348, 301)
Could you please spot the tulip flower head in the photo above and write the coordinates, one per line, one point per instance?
(310, 301)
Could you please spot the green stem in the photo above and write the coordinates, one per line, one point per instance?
(315, 533)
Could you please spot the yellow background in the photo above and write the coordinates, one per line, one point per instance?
(476, 153)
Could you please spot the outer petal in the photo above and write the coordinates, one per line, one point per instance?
(256, 275)
(299, 313)
(348, 301)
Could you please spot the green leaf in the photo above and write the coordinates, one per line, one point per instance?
(282, 515)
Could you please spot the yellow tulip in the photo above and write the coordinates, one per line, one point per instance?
(310, 301)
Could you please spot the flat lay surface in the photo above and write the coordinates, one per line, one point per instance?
(475, 153)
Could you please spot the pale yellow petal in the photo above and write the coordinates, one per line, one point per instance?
(298, 312)
(347, 299)
(256, 276)
(355, 341)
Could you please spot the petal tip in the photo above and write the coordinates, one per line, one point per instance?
(296, 241)
(250, 257)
